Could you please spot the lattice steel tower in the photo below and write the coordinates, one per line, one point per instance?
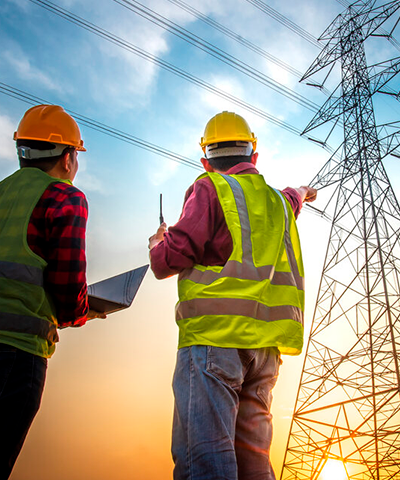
(348, 403)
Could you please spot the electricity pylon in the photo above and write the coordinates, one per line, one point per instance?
(348, 402)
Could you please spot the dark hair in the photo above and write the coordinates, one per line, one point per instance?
(45, 163)
(223, 164)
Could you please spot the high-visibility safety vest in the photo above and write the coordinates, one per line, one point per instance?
(27, 314)
(257, 298)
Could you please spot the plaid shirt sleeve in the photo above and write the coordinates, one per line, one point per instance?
(56, 232)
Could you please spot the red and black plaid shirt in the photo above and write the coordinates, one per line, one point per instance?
(56, 232)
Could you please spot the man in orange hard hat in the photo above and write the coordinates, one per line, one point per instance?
(42, 266)
(241, 305)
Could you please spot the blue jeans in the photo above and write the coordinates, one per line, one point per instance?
(22, 378)
(222, 428)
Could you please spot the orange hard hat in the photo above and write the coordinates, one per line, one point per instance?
(50, 123)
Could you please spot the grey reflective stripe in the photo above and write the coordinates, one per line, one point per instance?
(289, 247)
(234, 269)
(237, 307)
(22, 273)
(247, 270)
(12, 322)
(241, 206)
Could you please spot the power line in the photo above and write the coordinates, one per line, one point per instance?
(381, 32)
(219, 54)
(285, 22)
(214, 51)
(102, 127)
(163, 64)
(344, 3)
(234, 36)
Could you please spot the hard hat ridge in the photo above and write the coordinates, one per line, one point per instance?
(50, 123)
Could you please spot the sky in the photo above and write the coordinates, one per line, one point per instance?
(107, 406)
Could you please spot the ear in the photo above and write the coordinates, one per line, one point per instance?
(254, 158)
(65, 162)
(206, 165)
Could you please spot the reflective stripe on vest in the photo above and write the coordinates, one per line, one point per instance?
(13, 322)
(27, 312)
(238, 306)
(289, 248)
(245, 270)
(21, 273)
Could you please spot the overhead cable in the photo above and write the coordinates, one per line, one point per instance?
(234, 36)
(345, 3)
(69, 16)
(214, 51)
(285, 22)
(380, 32)
(102, 127)
(165, 65)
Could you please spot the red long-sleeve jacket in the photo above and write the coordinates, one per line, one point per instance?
(201, 235)
(56, 232)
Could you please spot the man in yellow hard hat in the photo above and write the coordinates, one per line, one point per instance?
(241, 304)
(42, 266)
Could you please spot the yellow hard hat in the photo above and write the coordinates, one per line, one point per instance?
(227, 127)
(50, 123)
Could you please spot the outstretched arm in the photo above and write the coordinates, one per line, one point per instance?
(307, 194)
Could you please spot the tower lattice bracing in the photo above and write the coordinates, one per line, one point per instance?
(348, 402)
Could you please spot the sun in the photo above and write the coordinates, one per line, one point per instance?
(334, 470)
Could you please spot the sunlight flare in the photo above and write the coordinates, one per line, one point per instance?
(334, 470)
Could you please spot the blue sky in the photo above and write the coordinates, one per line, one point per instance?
(51, 58)
(55, 60)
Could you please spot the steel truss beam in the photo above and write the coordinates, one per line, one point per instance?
(348, 403)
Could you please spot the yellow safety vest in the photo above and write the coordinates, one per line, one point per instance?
(257, 298)
(27, 314)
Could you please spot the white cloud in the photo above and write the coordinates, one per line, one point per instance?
(21, 64)
(278, 73)
(124, 78)
(215, 103)
(7, 145)
(163, 173)
(114, 76)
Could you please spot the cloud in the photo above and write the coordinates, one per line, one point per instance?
(163, 173)
(21, 64)
(215, 103)
(116, 77)
(7, 145)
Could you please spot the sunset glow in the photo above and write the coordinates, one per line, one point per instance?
(107, 408)
(334, 470)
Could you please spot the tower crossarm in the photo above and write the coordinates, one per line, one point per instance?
(348, 403)
(333, 172)
(330, 110)
(383, 77)
(389, 144)
(340, 31)
(391, 92)
(334, 106)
